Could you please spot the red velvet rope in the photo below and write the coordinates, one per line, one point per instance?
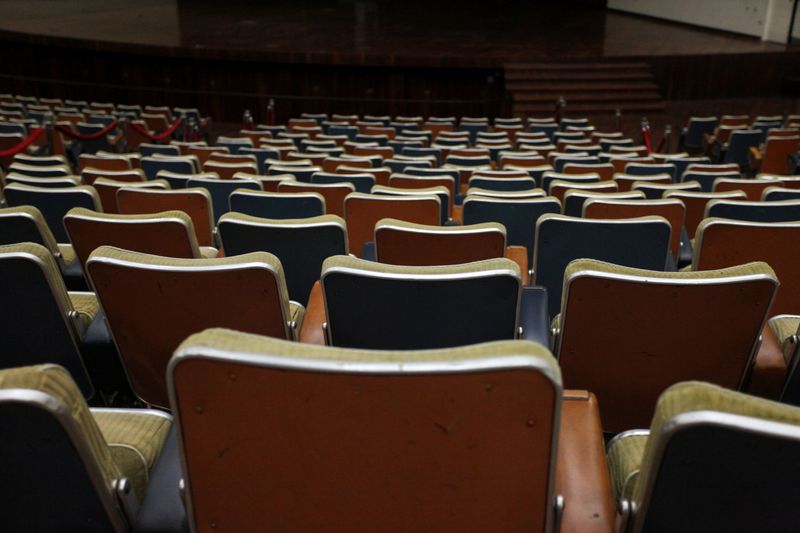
(647, 142)
(14, 150)
(159, 137)
(661, 144)
(86, 136)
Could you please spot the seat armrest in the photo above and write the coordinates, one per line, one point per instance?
(755, 158)
(685, 253)
(534, 318)
(769, 369)
(581, 469)
(162, 510)
(312, 331)
(519, 254)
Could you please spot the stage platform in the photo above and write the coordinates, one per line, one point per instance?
(374, 57)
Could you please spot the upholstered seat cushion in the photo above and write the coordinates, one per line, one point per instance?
(625, 456)
(67, 253)
(135, 440)
(87, 306)
(629, 455)
(296, 314)
(208, 252)
(784, 326)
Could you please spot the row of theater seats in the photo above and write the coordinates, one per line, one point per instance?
(490, 437)
(762, 143)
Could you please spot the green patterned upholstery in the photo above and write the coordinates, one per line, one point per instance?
(86, 305)
(56, 382)
(411, 226)
(134, 440)
(488, 265)
(125, 443)
(226, 340)
(784, 326)
(625, 456)
(601, 267)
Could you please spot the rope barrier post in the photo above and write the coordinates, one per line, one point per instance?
(123, 123)
(618, 115)
(49, 121)
(270, 118)
(561, 103)
(646, 134)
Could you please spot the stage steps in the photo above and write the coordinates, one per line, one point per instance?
(588, 88)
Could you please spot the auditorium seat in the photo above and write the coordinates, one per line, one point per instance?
(195, 202)
(604, 170)
(107, 190)
(518, 216)
(363, 211)
(442, 193)
(735, 443)
(625, 181)
(637, 242)
(650, 169)
(277, 205)
(692, 136)
(301, 172)
(60, 182)
(40, 171)
(68, 467)
(403, 243)
(627, 334)
(778, 193)
(752, 187)
(234, 144)
(89, 175)
(169, 233)
(785, 328)
(671, 209)
(706, 178)
(246, 292)
(40, 322)
(203, 153)
(40, 160)
(501, 184)
(407, 181)
(26, 224)
(222, 189)
(510, 195)
(774, 158)
(379, 306)
(574, 199)
(782, 211)
(362, 182)
(103, 162)
(177, 164)
(301, 245)
(739, 145)
(654, 191)
(721, 243)
(227, 170)
(149, 149)
(361, 453)
(695, 203)
(53, 202)
(549, 177)
(558, 188)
